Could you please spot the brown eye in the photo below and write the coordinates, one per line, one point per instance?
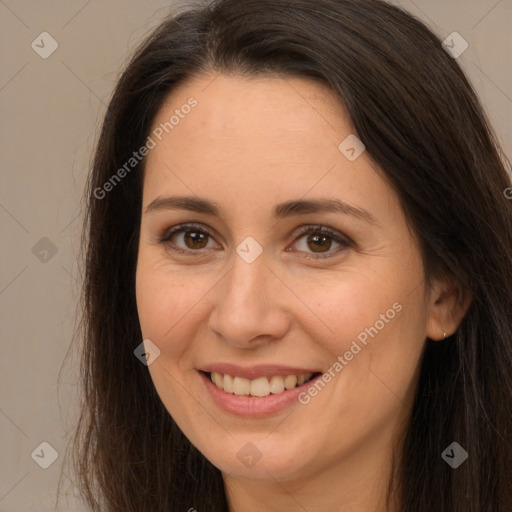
(186, 239)
(317, 243)
(195, 239)
(319, 240)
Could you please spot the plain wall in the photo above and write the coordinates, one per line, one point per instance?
(51, 110)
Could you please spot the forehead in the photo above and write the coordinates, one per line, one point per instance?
(269, 117)
(256, 138)
(223, 98)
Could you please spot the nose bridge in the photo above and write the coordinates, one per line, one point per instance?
(245, 293)
(248, 276)
(245, 308)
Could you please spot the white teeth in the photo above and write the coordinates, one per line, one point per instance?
(276, 384)
(241, 386)
(290, 382)
(260, 387)
(218, 380)
(304, 378)
(228, 384)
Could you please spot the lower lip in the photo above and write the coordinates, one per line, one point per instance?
(251, 406)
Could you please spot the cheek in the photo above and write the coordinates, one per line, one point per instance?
(156, 298)
(376, 324)
(350, 310)
(374, 356)
(153, 303)
(168, 304)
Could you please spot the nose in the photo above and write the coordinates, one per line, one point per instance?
(249, 309)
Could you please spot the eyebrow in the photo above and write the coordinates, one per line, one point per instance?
(281, 211)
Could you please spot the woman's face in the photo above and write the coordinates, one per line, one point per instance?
(256, 293)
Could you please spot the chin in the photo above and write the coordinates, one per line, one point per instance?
(262, 459)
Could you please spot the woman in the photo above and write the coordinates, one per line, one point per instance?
(298, 286)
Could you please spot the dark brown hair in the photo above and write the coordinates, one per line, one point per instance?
(422, 124)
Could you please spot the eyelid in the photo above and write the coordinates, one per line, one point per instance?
(183, 228)
(344, 241)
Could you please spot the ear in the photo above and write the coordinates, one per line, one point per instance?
(447, 306)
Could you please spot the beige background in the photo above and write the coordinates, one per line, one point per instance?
(50, 112)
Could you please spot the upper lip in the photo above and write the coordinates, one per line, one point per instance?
(254, 372)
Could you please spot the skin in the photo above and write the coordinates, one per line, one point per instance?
(249, 144)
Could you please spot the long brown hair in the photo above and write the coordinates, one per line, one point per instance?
(421, 122)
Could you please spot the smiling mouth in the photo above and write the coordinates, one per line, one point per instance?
(260, 387)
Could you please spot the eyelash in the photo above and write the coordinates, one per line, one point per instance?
(307, 230)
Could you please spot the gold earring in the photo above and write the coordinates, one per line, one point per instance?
(444, 335)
